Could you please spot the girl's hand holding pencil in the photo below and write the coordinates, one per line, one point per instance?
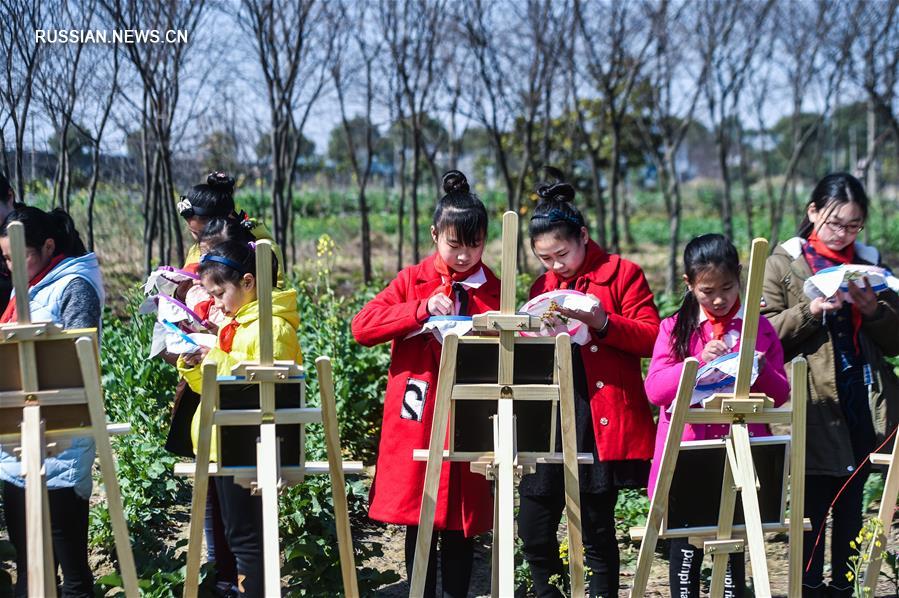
(820, 306)
(714, 349)
(441, 305)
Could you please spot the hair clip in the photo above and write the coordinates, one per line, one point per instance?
(224, 261)
(252, 245)
(184, 206)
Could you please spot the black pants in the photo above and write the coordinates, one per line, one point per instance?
(685, 565)
(820, 491)
(538, 523)
(217, 550)
(242, 514)
(68, 522)
(456, 556)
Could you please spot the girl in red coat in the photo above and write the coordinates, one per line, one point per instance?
(612, 416)
(452, 281)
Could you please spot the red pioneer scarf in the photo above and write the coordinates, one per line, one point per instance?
(719, 325)
(9, 315)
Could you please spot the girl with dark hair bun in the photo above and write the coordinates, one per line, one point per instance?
(853, 391)
(65, 287)
(612, 416)
(214, 200)
(452, 282)
(707, 326)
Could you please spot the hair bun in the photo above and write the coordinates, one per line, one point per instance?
(559, 189)
(556, 192)
(220, 181)
(455, 182)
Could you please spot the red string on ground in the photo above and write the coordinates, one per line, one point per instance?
(808, 565)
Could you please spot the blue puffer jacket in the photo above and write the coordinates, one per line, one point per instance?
(72, 467)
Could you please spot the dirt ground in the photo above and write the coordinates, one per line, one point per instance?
(393, 538)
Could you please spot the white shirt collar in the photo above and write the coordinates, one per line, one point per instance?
(475, 280)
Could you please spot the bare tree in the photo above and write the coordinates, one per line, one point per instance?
(615, 47)
(21, 54)
(93, 126)
(412, 31)
(729, 36)
(812, 59)
(295, 50)
(669, 111)
(354, 71)
(874, 33)
(160, 69)
(59, 83)
(398, 115)
(515, 53)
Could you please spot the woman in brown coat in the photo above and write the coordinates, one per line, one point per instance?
(853, 392)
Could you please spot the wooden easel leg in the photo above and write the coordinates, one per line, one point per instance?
(725, 521)
(338, 487)
(659, 505)
(494, 551)
(505, 490)
(797, 474)
(41, 565)
(569, 453)
(91, 379)
(268, 466)
(201, 483)
(885, 515)
(445, 381)
(750, 500)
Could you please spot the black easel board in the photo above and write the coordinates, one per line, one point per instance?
(695, 496)
(237, 446)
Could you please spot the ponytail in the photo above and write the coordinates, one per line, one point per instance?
(686, 323)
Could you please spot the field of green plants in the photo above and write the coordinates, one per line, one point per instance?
(139, 391)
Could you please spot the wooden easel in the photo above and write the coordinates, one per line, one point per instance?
(739, 409)
(504, 462)
(885, 513)
(268, 475)
(54, 403)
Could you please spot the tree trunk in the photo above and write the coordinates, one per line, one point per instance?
(626, 212)
(674, 222)
(613, 187)
(726, 202)
(599, 200)
(92, 192)
(744, 184)
(416, 165)
(366, 235)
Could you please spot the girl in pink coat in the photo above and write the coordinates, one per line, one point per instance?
(707, 326)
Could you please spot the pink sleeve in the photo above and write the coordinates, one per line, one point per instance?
(664, 370)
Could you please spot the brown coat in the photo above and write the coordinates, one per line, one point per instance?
(828, 446)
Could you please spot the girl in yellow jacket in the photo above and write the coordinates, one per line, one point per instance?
(228, 273)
